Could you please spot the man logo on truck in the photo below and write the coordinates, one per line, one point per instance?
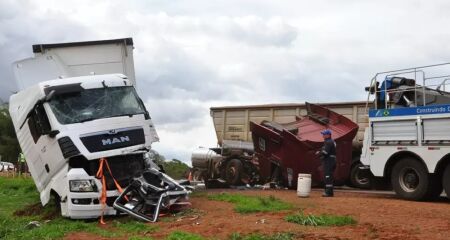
(114, 140)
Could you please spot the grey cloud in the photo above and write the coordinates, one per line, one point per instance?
(257, 31)
(192, 55)
(175, 111)
(252, 30)
(22, 26)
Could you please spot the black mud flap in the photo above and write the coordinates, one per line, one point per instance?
(150, 194)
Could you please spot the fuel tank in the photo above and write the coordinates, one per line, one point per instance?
(204, 158)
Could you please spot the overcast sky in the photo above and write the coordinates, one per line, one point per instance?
(191, 55)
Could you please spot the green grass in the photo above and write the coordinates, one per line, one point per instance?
(179, 235)
(198, 194)
(252, 204)
(16, 193)
(140, 238)
(20, 194)
(57, 228)
(256, 236)
(321, 220)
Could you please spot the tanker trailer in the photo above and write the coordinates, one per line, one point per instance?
(231, 164)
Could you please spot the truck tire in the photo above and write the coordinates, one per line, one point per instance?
(410, 179)
(56, 201)
(435, 188)
(446, 180)
(233, 172)
(198, 175)
(357, 178)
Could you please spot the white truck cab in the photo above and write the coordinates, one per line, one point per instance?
(76, 106)
(408, 137)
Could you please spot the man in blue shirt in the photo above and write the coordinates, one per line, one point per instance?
(328, 157)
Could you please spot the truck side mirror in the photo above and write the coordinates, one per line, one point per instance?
(50, 95)
(42, 120)
(53, 133)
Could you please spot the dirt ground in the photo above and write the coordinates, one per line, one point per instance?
(378, 216)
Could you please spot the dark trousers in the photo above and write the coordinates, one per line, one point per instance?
(329, 165)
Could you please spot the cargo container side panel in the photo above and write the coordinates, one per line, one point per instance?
(285, 112)
(236, 119)
(75, 61)
(343, 111)
(284, 119)
(218, 119)
(260, 113)
(259, 119)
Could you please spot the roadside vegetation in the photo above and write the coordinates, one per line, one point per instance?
(174, 168)
(256, 236)
(252, 204)
(21, 206)
(9, 146)
(321, 220)
(23, 217)
(180, 235)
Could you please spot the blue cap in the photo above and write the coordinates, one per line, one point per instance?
(326, 132)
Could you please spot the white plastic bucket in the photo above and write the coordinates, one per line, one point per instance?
(303, 185)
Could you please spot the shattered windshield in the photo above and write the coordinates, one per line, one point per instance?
(91, 104)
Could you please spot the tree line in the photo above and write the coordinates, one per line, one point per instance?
(9, 146)
(174, 168)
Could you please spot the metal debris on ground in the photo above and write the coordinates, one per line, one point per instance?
(33, 224)
(151, 194)
(194, 217)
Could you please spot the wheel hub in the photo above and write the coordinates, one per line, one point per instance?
(361, 179)
(232, 171)
(409, 179)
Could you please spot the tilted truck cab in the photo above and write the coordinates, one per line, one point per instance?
(66, 125)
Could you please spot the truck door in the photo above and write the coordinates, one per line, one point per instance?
(42, 153)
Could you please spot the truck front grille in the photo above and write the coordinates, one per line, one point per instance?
(123, 168)
(113, 139)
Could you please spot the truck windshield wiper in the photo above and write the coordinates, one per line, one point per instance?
(119, 115)
(125, 114)
(128, 114)
(87, 119)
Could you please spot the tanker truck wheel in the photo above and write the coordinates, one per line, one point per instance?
(410, 179)
(446, 180)
(198, 175)
(233, 172)
(358, 178)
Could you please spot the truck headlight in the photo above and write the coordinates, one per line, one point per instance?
(82, 186)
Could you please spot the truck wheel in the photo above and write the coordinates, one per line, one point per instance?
(446, 181)
(197, 175)
(435, 188)
(234, 171)
(410, 179)
(358, 178)
(56, 201)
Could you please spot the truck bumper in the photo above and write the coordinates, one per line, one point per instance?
(87, 205)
